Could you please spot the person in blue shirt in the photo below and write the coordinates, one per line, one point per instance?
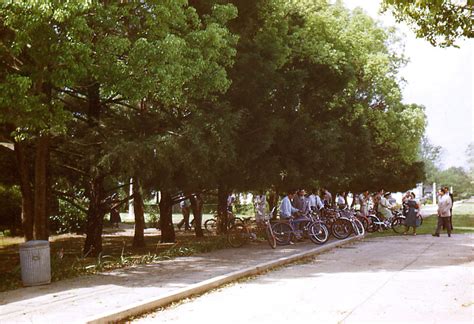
(286, 208)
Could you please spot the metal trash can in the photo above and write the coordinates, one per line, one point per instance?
(35, 263)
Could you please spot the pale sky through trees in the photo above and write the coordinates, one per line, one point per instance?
(441, 79)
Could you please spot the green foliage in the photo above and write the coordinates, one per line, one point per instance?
(440, 22)
(430, 155)
(69, 219)
(459, 179)
(245, 209)
(190, 96)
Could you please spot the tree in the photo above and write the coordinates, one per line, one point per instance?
(431, 156)
(440, 22)
(470, 159)
(457, 178)
(38, 53)
(146, 84)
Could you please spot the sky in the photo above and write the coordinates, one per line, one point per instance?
(441, 79)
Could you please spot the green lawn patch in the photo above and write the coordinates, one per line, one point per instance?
(67, 260)
(463, 222)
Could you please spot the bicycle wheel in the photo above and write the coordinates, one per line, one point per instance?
(372, 225)
(421, 220)
(364, 221)
(398, 225)
(359, 227)
(341, 229)
(211, 225)
(318, 233)
(270, 236)
(237, 235)
(282, 232)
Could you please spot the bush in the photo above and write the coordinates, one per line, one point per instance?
(245, 209)
(152, 220)
(69, 219)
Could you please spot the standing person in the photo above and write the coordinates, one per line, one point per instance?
(364, 203)
(405, 200)
(230, 202)
(115, 216)
(300, 201)
(340, 201)
(286, 208)
(260, 203)
(451, 209)
(444, 206)
(314, 201)
(376, 199)
(185, 210)
(411, 214)
(327, 197)
(384, 207)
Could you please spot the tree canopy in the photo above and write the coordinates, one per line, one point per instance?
(441, 22)
(201, 95)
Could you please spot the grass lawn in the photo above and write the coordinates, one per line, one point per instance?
(463, 222)
(117, 252)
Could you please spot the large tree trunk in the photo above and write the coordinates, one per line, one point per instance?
(222, 195)
(27, 200)
(97, 204)
(95, 218)
(196, 207)
(138, 208)
(41, 189)
(166, 218)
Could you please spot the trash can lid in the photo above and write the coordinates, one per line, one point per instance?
(34, 243)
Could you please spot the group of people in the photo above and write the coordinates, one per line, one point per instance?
(297, 202)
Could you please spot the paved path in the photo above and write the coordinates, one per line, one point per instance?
(113, 295)
(399, 279)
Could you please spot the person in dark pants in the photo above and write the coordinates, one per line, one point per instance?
(185, 210)
(115, 216)
(444, 206)
(412, 212)
(451, 209)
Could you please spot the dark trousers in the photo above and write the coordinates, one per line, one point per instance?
(443, 222)
(185, 220)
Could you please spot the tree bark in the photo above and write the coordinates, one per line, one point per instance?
(95, 218)
(41, 189)
(166, 218)
(96, 192)
(27, 209)
(138, 207)
(196, 207)
(222, 195)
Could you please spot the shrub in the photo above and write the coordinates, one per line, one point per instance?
(69, 219)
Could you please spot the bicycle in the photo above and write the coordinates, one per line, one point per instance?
(240, 233)
(210, 225)
(398, 223)
(342, 222)
(287, 230)
(346, 224)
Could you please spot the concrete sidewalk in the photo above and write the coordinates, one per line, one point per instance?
(122, 293)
